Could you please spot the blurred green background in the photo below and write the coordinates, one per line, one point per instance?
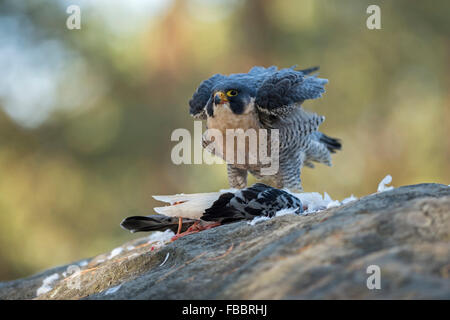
(86, 115)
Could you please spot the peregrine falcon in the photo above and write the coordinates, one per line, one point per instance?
(266, 98)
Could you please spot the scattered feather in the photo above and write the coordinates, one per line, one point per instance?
(47, 284)
(313, 201)
(113, 289)
(349, 199)
(284, 212)
(165, 259)
(258, 220)
(159, 239)
(83, 263)
(159, 236)
(333, 204)
(115, 252)
(382, 185)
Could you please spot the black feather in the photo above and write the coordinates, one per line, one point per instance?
(332, 144)
(248, 203)
(309, 70)
(288, 87)
(221, 211)
(154, 223)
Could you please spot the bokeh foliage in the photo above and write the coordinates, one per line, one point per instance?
(86, 115)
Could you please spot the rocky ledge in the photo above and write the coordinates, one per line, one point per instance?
(396, 241)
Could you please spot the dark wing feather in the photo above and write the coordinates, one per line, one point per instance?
(332, 144)
(154, 222)
(286, 88)
(201, 96)
(309, 70)
(274, 89)
(248, 203)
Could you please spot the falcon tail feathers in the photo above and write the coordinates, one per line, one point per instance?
(332, 144)
(309, 70)
(154, 223)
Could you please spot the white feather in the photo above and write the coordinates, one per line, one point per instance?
(193, 206)
(382, 186)
(180, 197)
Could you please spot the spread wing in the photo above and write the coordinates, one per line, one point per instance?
(201, 96)
(276, 90)
(287, 88)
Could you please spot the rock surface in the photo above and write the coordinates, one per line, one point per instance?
(404, 231)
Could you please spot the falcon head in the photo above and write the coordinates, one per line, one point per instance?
(233, 95)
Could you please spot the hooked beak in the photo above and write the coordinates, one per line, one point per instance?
(219, 98)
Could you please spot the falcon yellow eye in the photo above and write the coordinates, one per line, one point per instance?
(232, 93)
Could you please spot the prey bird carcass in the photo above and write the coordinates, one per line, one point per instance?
(191, 213)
